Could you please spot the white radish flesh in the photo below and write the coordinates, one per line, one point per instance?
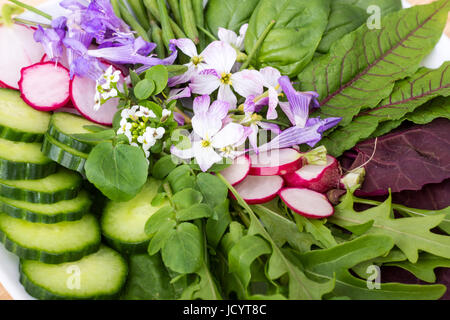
(259, 189)
(17, 50)
(308, 203)
(316, 177)
(275, 162)
(237, 171)
(82, 92)
(45, 86)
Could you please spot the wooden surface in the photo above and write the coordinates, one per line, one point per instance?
(3, 294)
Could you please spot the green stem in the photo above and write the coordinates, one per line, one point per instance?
(168, 190)
(207, 33)
(32, 9)
(258, 45)
(132, 22)
(31, 23)
(116, 8)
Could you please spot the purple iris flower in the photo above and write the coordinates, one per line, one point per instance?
(51, 38)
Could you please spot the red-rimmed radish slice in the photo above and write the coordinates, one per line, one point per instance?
(259, 189)
(315, 177)
(17, 50)
(237, 171)
(275, 162)
(82, 92)
(308, 203)
(45, 86)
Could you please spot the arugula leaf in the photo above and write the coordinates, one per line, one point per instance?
(361, 68)
(291, 43)
(230, 14)
(118, 171)
(409, 234)
(424, 267)
(394, 255)
(244, 253)
(148, 279)
(408, 94)
(326, 263)
(317, 229)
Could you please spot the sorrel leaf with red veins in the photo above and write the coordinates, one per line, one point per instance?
(408, 94)
(405, 160)
(361, 68)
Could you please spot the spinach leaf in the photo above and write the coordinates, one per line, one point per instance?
(408, 94)
(361, 68)
(118, 171)
(291, 43)
(230, 14)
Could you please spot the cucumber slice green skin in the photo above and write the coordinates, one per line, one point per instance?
(21, 213)
(10, 170)
(127, 248)
(23, 251)
(67, 140)
(14, 193)
(66, 158)
(44, 293)
(17, 135)
(46, 257)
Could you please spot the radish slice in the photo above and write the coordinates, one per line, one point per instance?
(17, 50)
(259, 189)
(238, 171)
(45, 86)
(315, 177)
(308, 203)
(82, 92)
(275, 162)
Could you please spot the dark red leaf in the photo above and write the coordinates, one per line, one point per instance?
(431, 197)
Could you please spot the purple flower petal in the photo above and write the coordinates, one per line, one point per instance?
(270, 126)
(176, 94)
(178, 117)
(298, 101)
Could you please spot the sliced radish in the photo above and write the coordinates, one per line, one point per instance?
(275, 162)
(82, 92)
(308, 203)
(259, 189)
(17, 50)
(45, 86)
(315, 177)
(237, 172)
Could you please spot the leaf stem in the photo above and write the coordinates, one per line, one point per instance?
(258, 45)
(32, 9)
(168, 190)
(31, 23)
(187, 119)
(207, 33)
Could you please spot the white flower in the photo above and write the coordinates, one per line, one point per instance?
(109, 77)
(166, 113)
(232, 38)
(159, 132)
(147, 139)
(109, 94)
(125, 128)
(145, 112)
(220, 57)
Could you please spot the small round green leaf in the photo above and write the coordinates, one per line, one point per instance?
(159, 75)
(144, 89)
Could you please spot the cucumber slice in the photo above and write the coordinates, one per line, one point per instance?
(123, 223)
(19, 121)
(100, 275)
(63, 125)
(24, 161)
(63, 185)
(67, 157)
(50, 243)
(66, 210)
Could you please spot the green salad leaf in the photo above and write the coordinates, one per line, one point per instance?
(291, 43)
(361, 68)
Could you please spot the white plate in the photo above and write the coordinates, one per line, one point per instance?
(9, 273)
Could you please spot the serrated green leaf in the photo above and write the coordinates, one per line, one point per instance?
(394, 255)
(424, 267)
(244, 253)
(317, 229)
(361, 68)
(409, 234)
(437, 108)
(336, 261)
(408, 94)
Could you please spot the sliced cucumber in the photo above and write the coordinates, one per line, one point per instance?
(62, 185)
(66, 210)
(100, 275)
(63, 125)
(19, 121)
(67, 157)
(24, 161)
(50, 243)
(123, 223)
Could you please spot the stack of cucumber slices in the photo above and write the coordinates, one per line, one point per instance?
(45, 214)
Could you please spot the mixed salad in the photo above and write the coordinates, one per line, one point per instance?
(241, 150)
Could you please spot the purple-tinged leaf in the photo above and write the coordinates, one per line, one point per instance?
(434, 196)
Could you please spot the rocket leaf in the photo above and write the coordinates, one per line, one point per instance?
(409, 234)
(361, 68)
(322, 264)
(408, 94)
(394, 255)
